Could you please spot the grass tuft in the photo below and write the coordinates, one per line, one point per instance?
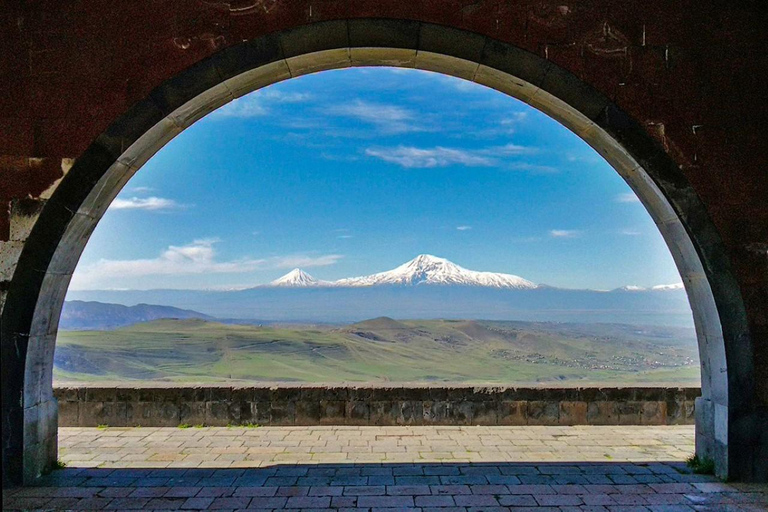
(103, 426)
(701, 465)
(185, 425)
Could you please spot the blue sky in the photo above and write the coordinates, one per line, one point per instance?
(356, 171)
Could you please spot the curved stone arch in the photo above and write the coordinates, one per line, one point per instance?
(40, 282)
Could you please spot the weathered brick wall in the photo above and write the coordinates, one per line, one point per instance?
(89, 406)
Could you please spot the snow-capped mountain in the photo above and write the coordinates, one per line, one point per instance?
(425, 287)
(296, 278)
(423, 269)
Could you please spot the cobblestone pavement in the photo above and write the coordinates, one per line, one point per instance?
(544, 469)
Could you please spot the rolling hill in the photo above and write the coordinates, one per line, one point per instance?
(381, 350)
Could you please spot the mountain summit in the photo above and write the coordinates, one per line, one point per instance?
(295, 277)
(426, 269)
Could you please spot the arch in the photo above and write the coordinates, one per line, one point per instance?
(48, 259)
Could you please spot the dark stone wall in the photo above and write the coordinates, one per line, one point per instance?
(679, 85)
(328, 405)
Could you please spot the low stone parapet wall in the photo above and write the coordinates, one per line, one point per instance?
(90, 406)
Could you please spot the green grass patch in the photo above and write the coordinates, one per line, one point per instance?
(377, 351)
(701, 465)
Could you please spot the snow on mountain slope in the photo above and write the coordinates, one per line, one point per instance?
(296, 278)
(428, 269)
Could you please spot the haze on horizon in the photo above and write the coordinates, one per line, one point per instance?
(353, 172)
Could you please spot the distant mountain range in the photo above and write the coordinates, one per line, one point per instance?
(88, 316)
(426, 287)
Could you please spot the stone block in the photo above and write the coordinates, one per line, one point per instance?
(100, 394)
(485, 413)
(630, 413)
(158, 414)
(573, 413)
(357, 412)
(282, 413)
(409, 412)
(333, 412)
(382, 413)
(193, 413)
(69, 412)
(127, 395)
(360, 394)
(653, 413)
(93, 414)
(462, 413)
(308, 411)
(436, 412)
(260, 412)
(513, 412)
(602, 413)
(543, 413)
(217, 413)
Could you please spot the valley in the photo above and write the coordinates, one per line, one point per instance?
(382, 350)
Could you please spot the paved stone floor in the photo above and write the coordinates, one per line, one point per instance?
(544, 469)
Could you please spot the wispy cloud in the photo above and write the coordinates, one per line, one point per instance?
(391, 119)
(564, 233)
(630, 232)
(243, 107)
(144, 203)
(303, 261)
(533, 168)
(439, 156)
(256, 104)
(198, 257)
(463, 228)
(628, 197)
(411, 157)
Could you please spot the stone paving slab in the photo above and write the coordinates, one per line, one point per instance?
(599, 469)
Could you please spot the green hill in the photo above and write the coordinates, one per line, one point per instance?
(381, 350)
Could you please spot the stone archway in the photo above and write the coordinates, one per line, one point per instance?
(727, 417)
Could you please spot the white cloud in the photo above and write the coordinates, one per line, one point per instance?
(514, 118)
(142, 190)
(256, 103)
(411, 157)
(198, 257)
(144, 203)
(388, 118)
(439, 156)
(277, 96)
(243, 107)
(463, 228)
(664, 287)
(628, 197)
(303, 261)
(564, 233)
(630, 232)
(345, 237)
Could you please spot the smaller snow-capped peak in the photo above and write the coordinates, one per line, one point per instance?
(657, 288)
(428, 269)
(295, 277)
(632, 288)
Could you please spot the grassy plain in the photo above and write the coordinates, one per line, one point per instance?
(382, 350)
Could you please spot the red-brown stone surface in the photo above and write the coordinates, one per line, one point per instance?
(693, 74)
